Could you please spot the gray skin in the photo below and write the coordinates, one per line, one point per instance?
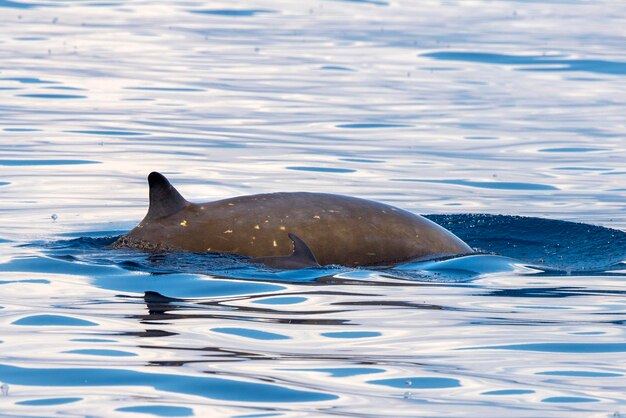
(289, 230)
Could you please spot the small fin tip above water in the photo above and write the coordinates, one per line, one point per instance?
(301, 257)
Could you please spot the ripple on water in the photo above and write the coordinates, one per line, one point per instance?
(48, 401)
(572, 149)
(16, 163)
(344, 371)
(159, 410)
(234, 12)
(503, 392)
(31, 281)
(361, 160)
(29, 80)
(569, 399)
(336, 68)
(419, 383)
(579, 348)
(372, 2)
(579, 373)
(101, 352)
(108, 132)
(251, 333)
(52, 96)
(281, 301)
(166, 89)
(208, 387)
(542, 242)
(372, 125)
(538, 62)
(351, 334)
(53, 321)
(497, 185)
(16, 5)
(184, 285)
(92, 340)
(322, 169)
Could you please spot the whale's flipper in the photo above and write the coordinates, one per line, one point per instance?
(164, 198)
(301, 257)
(301, 251)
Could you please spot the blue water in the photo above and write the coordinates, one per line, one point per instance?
(502, 121)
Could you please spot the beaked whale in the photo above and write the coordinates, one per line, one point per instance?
(289, 230)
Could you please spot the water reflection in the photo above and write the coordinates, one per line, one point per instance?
(494, 108)
(163, 308)
(233, 12)
(535, 62)
(209, 387)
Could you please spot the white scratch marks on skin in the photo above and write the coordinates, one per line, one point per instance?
(231, 204)
(257, 227)
(266, 221)
(209, 249)
(201, 207)
(274, 243)
(183, 223)
(371, 253)
(282, 228)
(228, 231)
(317, 217)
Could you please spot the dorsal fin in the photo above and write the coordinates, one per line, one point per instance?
(301, 257)
(164, 198)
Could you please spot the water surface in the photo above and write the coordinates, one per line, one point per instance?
(504, 121)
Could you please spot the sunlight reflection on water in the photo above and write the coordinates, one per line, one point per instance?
(512, 108)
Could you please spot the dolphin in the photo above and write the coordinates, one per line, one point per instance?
(289, 230)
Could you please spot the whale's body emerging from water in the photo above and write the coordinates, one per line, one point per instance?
(289, 230)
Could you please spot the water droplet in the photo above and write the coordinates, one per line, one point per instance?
(4, 389)
(54, 217)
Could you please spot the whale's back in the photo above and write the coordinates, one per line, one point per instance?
(338, 229)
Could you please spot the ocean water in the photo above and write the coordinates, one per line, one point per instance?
(501, 120)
